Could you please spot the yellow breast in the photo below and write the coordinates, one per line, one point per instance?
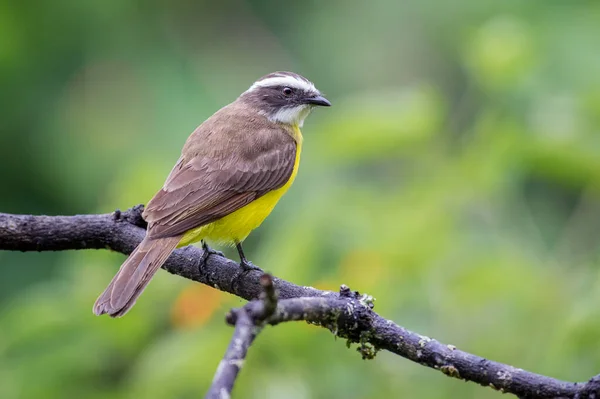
(236, 226)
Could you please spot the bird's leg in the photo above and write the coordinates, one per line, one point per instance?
(245, 263)
(208, 251)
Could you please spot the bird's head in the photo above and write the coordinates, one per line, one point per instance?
(284, 97)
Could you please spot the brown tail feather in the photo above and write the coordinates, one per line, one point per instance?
(134, 275)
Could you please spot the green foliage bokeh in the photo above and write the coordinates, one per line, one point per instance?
(456, 179)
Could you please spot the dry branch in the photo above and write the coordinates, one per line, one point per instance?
(247, 326)
(347, 314)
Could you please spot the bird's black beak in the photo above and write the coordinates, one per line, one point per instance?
(318, 100)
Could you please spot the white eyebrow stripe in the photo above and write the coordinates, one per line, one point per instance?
(288, 81)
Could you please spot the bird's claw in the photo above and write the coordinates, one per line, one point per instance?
(247, 266)
(208, 251)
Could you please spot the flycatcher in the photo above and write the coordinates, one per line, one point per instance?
(232, 171)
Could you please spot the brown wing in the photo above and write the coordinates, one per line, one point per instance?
(215, 182)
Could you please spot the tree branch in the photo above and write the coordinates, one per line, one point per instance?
(347, 314)
(247, 327)
(230, 366)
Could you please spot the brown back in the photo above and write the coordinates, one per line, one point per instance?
(234, 157)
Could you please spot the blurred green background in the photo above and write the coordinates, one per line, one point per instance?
(456, 179)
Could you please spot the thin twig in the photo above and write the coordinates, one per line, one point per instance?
(347, 314)
(230, 366)
(268, 298)
(247, 327)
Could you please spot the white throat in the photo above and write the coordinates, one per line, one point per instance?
(293, 116)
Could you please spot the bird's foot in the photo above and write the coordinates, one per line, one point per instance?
(208, 251)
(247, 266)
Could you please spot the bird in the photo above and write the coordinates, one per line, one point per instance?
(232, 171)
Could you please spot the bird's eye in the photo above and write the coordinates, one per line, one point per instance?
(287, 91)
